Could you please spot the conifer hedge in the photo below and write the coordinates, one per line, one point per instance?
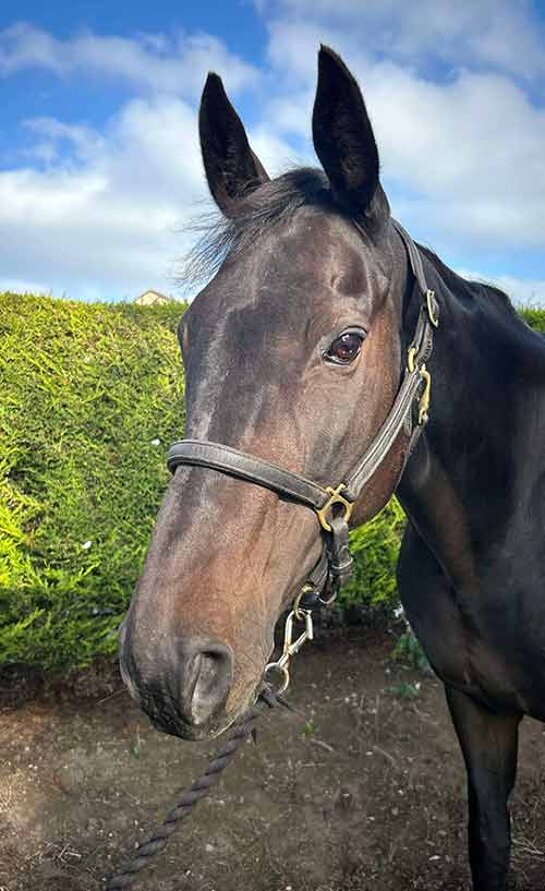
(91, 396)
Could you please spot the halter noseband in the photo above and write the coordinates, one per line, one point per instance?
(333, 505)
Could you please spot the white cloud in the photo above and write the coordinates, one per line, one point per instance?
(151, 62)
(502, 34)
(464, 157)
(274, 152)
(52, 133)
(113, 220)
(471, 151)
(104, 212)
(106, 221)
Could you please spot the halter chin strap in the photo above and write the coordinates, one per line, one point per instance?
(333, 505)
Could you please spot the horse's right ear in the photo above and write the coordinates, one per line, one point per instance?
(232, 170)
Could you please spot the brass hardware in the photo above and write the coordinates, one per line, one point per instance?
(412, 352)
(298, 610)
(308, 589)
(290, 647)
(434, 319)
(335, 498)
(424, 404)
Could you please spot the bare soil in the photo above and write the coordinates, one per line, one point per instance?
(362, 789)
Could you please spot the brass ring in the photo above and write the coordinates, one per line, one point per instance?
(335, 497)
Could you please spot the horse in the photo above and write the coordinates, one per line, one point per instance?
(296, 353)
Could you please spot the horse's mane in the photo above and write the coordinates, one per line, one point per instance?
(276, 201)
(467, 287)
(272, 202)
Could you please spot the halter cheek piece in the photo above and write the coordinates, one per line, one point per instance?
(333, 505)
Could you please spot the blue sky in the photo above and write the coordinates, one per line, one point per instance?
(100, 174)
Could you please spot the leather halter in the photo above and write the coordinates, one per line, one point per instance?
(333, 505)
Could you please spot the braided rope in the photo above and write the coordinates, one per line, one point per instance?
(198, 789)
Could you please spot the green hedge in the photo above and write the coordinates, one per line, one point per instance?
(92, 394)
(86, 392)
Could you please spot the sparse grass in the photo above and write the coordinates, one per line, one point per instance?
(405, 689)
(309, 728)
(408, 651)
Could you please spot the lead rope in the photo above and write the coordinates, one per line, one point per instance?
(198, 789)
(267, 698)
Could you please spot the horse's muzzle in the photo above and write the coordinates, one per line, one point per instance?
(183, 687)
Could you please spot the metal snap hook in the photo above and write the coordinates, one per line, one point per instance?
(291, 647)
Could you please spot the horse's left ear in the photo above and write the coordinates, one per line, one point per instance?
(343, 135)
(232, 170)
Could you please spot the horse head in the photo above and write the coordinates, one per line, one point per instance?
(293, 353)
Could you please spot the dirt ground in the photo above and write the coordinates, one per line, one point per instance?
(363, 788)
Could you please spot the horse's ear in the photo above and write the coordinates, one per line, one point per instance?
(343, 135)
(232, 170)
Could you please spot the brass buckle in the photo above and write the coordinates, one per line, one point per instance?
(424, 403)
(335, 497)
(411, 356)
(434, 319)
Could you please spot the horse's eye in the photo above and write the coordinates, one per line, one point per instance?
(345, 348)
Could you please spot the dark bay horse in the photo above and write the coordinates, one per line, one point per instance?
(294, 353)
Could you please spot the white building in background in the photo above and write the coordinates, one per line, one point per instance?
(152, 298)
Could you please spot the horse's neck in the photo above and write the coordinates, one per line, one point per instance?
(479, 454)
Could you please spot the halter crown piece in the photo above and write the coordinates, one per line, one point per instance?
(333, 505)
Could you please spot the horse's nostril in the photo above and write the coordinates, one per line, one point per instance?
(183, 686)
(207, 671)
